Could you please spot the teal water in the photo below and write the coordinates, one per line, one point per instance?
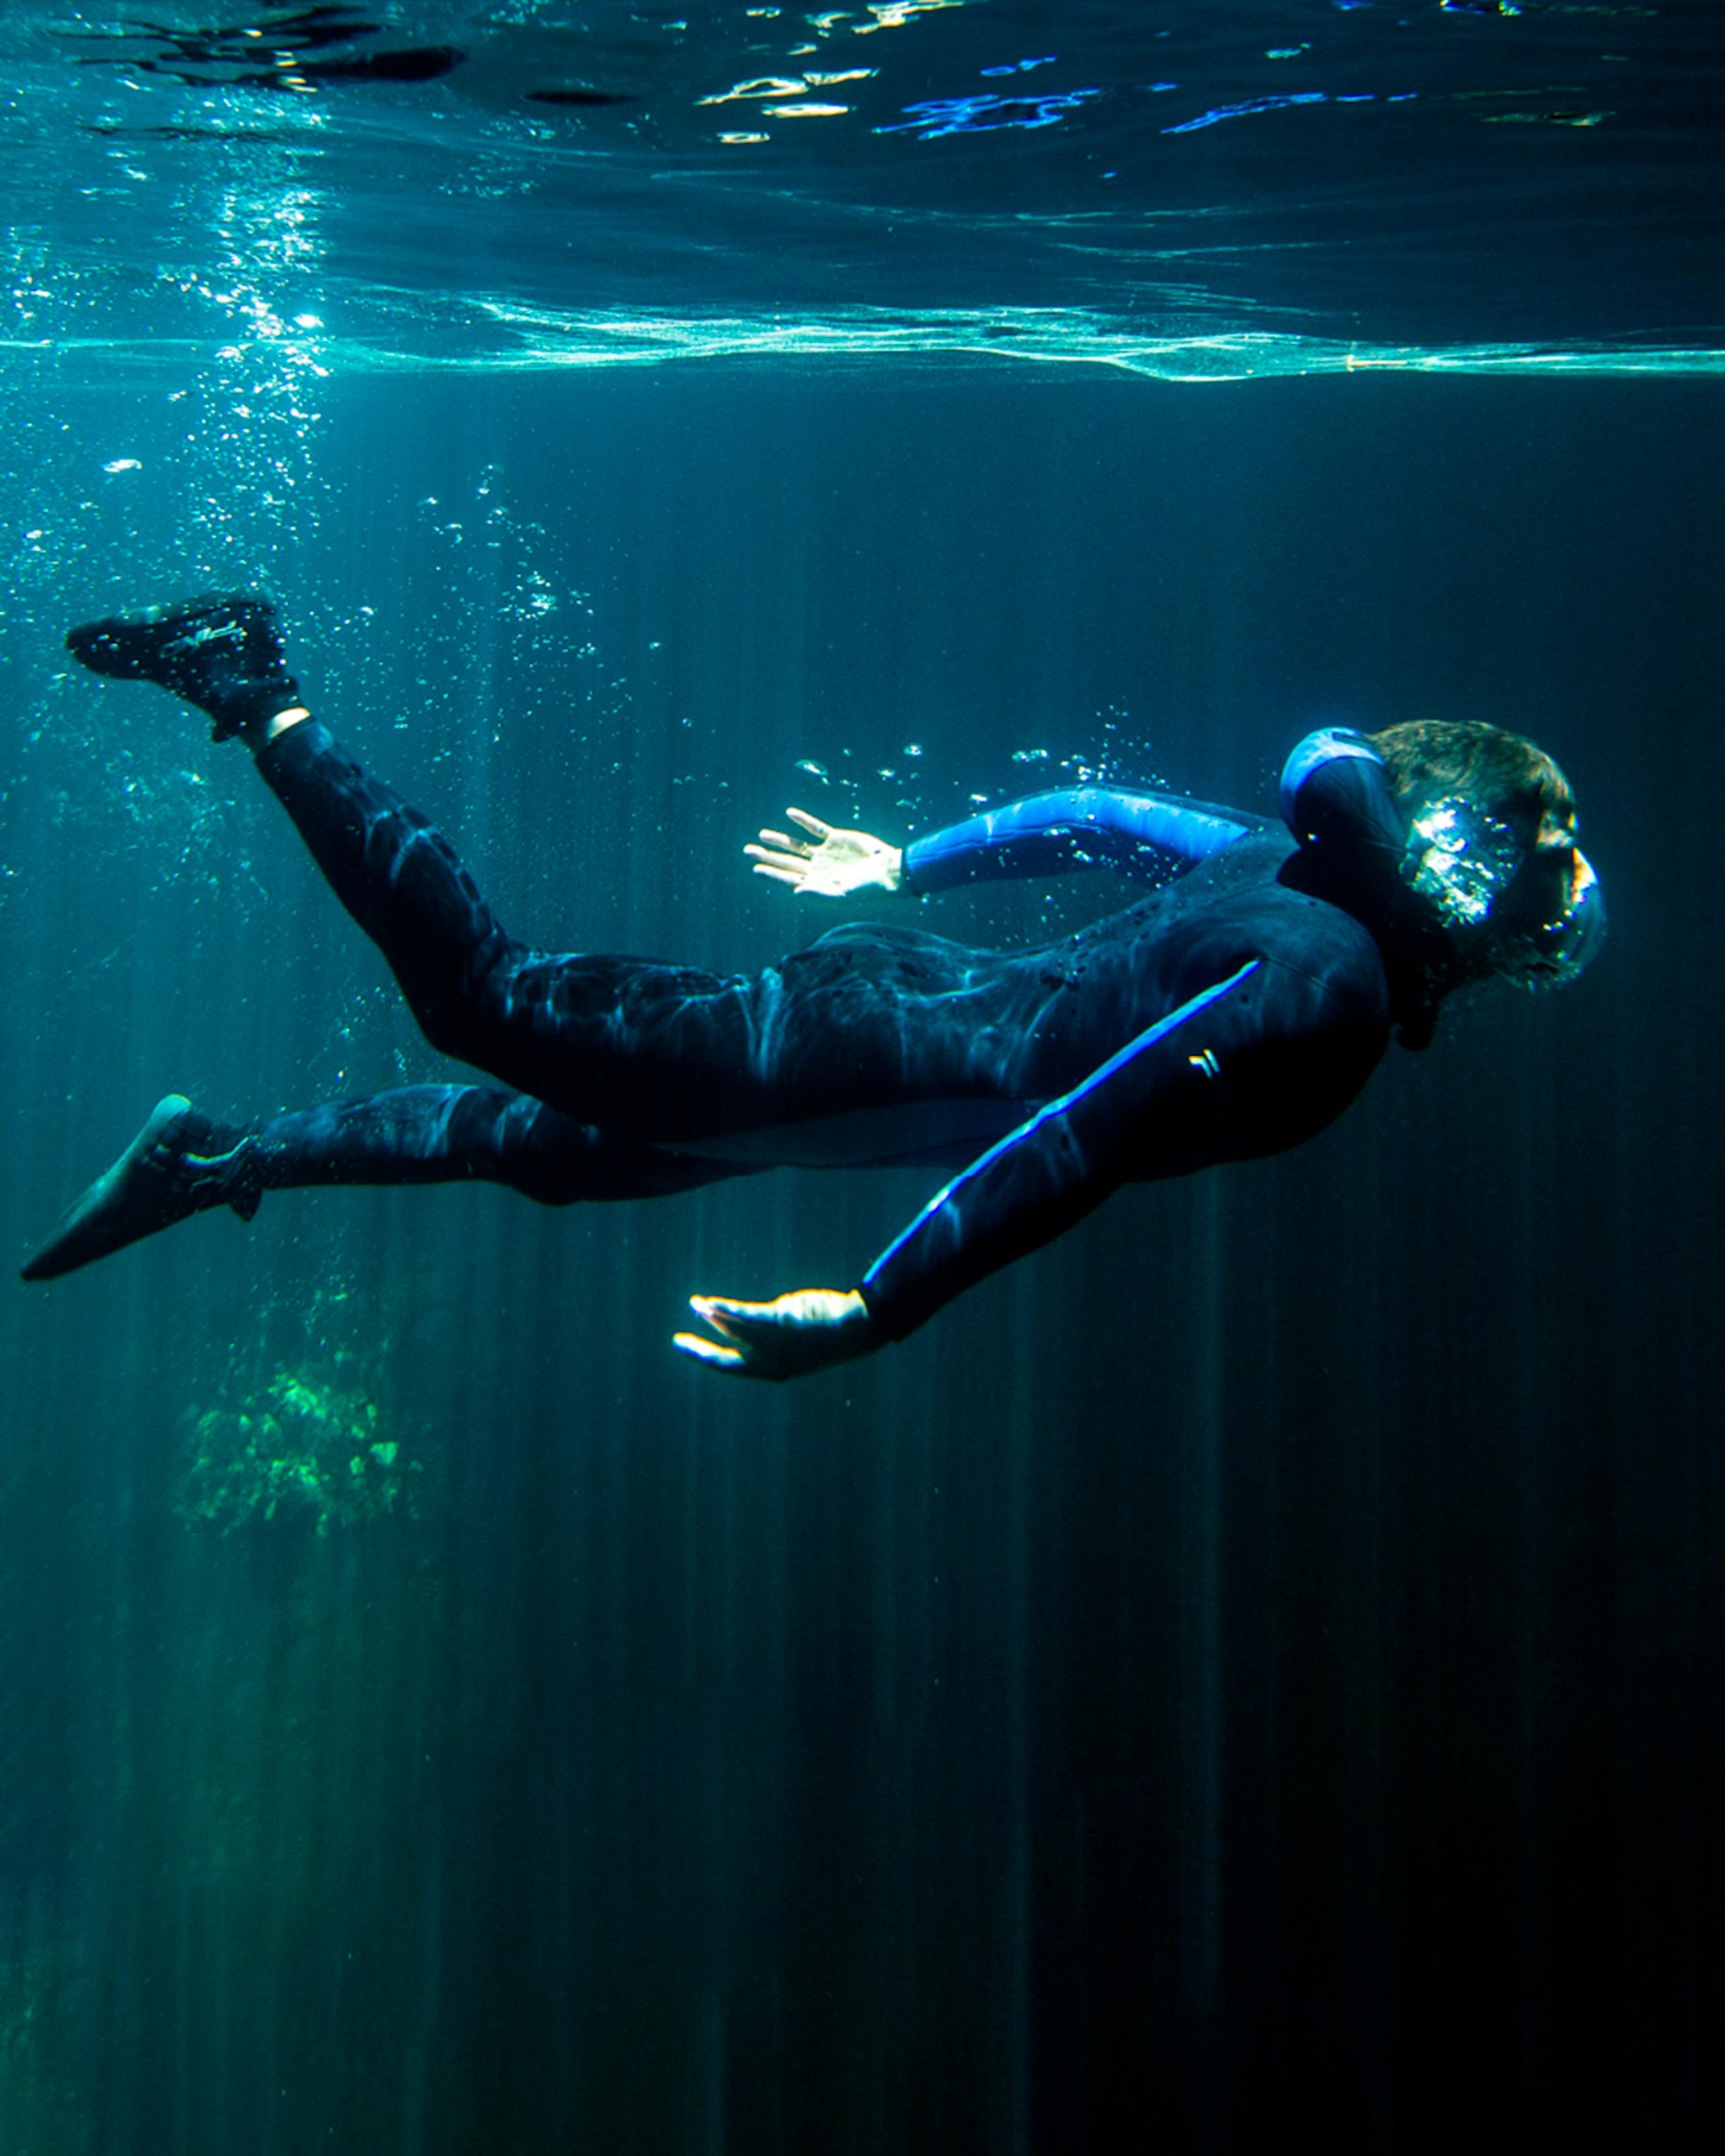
(1249, 1672)
(1231, 188)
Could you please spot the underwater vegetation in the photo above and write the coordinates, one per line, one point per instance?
(297, 1449)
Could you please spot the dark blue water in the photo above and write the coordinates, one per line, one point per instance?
(1250, 1671)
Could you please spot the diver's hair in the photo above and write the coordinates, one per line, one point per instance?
(1504, 773)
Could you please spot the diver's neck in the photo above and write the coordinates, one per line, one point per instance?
(1419, 954)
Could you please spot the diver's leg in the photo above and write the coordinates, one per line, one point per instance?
(398, 877)
(636, 1046)
(621, 1042)
(182, 1163)
(470, 1134)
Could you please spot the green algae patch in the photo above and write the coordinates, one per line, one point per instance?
(299, 1448)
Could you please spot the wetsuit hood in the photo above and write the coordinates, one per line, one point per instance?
(1446, 894)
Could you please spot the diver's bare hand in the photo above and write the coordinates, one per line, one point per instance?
(836, 864)
(810, 1329)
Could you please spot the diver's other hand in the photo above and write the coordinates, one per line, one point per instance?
(809, 1329)
(836, 864)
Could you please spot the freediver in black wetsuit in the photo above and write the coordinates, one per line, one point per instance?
(1233, 1012)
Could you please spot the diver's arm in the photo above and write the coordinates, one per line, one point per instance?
(1031, 1187)
(1045, 834)
(1160, 1098)
(1079, 827)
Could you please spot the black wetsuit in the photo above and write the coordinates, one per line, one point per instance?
(1233, 1012)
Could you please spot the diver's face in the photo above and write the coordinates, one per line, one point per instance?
(1559, 875)
(1564, 875)
(1554, 914)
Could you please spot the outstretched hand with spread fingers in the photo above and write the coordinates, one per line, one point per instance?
(834, 865)
(809, 1329)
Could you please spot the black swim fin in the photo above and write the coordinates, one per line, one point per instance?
(221, 651)
(180, 1164)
